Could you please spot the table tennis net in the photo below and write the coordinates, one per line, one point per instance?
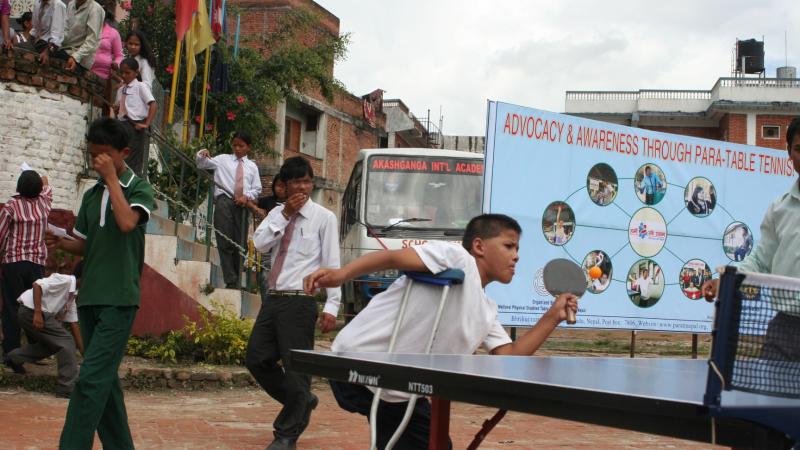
(765, 356)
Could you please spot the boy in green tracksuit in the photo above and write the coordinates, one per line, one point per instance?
(110, 225)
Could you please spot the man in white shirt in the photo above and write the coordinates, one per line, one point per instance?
(304, 238)
(237, 185)
(82, 28)
(489, 252)
(42, 311)
(48, 27)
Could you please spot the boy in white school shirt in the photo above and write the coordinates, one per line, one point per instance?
(489, 252)
(237, 186)
(136, 108)
(43, 311)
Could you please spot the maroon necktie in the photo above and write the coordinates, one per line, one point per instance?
(282, 250)
(238, 187)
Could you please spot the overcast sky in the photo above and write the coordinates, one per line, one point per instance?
(457, 54)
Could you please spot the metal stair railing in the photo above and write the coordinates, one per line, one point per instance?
(188, 208)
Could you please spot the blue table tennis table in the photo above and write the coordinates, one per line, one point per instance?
(658, 396)
(720, 400)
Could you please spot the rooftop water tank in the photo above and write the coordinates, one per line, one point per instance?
(787, 72)
(751, 52)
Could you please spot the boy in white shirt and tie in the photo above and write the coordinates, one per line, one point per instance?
(238, 185)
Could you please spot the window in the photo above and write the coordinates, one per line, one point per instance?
(770, 131)
(351, 202)
(292, 135)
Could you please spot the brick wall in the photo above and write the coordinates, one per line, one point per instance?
(775, 120)
(733, 128)
(44, 122)
(347, 132)
(701, 132)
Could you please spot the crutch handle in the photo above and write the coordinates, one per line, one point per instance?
(447, 277)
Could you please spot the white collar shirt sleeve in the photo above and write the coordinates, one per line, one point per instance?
(224, 167)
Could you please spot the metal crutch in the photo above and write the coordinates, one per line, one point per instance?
(445, 279)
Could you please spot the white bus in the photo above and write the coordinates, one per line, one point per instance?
(398, 198)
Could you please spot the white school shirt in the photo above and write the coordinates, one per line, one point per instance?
(224, 167)
(137, 99)
(58, 296)
(314, 245)
(51, 28)
(469, 319)
(146, 72)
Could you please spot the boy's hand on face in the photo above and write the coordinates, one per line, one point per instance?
(294, 203)
(323, 278)
(104, 165)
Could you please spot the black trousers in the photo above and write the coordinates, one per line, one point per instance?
(230, 220)
(139, 147)
(283, 323)
(18, 277)
(783, 338)
(358, 399)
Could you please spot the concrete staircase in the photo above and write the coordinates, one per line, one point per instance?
(181, 274)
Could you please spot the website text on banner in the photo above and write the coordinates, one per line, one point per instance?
(647, 215)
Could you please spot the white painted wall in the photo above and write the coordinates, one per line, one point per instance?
(47, 131)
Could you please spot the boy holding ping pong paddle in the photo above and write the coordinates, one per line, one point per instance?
(489, 252)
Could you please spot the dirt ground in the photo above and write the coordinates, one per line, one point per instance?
(241, 418)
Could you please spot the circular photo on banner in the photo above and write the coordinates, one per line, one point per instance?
(645, 283)
(598, 270)
(693, 274)
(737, 242)
(602, 185)
(558, 223)
(650, 184)
(700, 197)
(647, 232)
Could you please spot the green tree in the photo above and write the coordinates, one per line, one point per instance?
(297, 56)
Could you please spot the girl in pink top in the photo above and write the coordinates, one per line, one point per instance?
(109, 51)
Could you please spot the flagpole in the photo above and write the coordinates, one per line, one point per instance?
(188, 89)
(236, 45)
(205, 91)
(175, 71)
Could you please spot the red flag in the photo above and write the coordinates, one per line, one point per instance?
(184, 9)
(216, 18)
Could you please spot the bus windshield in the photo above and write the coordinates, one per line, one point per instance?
(445, 193)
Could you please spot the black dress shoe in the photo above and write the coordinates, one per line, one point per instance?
(17, 368)
(61, 394)
(283, 444)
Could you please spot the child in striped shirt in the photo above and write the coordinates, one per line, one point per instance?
(23, 222)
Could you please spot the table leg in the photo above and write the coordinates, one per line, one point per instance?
(440, 424)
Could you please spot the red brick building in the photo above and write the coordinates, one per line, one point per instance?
(752, 111)
(328, 134)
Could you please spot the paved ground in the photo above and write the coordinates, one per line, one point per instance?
(241, 418)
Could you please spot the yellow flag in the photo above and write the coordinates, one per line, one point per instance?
(199, 39)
